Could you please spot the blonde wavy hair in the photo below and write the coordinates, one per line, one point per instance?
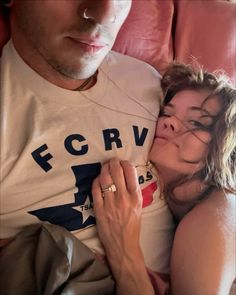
(220, 166)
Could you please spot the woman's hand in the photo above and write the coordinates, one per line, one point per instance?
(118, 213)
(118, 217)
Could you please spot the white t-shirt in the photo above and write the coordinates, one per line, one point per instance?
(53, 140)
(157, 224)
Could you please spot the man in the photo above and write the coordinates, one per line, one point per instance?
(69, 104)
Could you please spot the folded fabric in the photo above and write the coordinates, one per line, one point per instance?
(46, 259)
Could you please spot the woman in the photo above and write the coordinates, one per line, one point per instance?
(194, 153)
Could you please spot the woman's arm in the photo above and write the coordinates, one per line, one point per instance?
(203, 256)
(118, 217)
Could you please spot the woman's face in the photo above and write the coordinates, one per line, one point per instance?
(183, 132)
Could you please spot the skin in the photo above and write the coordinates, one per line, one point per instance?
(204, 248)
(203, 255)
(60, 44)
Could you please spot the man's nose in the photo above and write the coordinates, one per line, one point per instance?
(101, 11)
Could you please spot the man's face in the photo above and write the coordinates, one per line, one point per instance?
(72, 36)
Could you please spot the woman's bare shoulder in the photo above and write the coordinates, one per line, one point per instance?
(218, 209)
(204, 247)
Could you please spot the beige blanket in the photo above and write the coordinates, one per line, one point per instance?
(47, 259)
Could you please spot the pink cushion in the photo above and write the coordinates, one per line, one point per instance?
(206, 30)
(146, 34)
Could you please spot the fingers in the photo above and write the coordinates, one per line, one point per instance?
(106, 182)
(112, 174)
(121, 175)
(105, 179)
(130, 176)
(97, 195)
(117, 174)
(132, 184)
(124, 175)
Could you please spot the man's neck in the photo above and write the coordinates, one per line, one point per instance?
(38, 64)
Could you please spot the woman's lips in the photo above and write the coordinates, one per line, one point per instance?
(165, 139)
(162, 138)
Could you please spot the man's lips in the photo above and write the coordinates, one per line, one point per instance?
(89, 45)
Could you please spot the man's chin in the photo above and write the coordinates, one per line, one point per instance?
(79, 72)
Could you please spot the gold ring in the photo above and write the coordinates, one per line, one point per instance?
(111, 188)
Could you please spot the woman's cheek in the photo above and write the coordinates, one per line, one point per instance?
(195, 149)
(201, 136)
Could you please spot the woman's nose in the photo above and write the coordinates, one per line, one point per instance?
(173, 124)
(101, 12)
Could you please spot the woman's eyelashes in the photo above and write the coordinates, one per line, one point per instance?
(197, 125)
(190, 123)
(203, 122)
(164, 113)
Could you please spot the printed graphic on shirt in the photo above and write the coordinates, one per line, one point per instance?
(148, 184)
(147, 194)
(76, 144)
(80, 213)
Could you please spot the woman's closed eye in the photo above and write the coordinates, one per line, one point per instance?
(196, 124)
(203, 123)
(164, 113)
